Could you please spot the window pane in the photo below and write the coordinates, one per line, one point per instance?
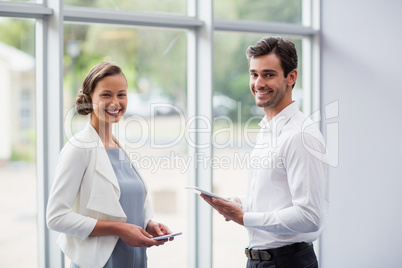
(154, 62)
(236, 119)
(285, 11)
(157, 6)
(18, 195)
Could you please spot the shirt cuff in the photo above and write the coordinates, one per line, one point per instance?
(253, 219)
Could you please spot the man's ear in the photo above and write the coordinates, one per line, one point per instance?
(292, 76)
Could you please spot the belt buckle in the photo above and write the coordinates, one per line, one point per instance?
(255, 254)
(261, 255)
(264, 255)
(247, 252)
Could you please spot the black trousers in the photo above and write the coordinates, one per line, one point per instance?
(304, 258)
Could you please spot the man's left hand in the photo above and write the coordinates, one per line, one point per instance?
(230, 211)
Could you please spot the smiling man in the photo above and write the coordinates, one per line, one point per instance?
(285, 206)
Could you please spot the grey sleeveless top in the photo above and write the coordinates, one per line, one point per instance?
(132, 200)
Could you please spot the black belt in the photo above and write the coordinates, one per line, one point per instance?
(267, 254)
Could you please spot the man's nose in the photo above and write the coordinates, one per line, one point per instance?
(259, 83)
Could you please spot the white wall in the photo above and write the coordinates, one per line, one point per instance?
(361, 68)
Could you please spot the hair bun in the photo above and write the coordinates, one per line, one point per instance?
(83, 103)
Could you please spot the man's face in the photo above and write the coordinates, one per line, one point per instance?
(267, 81)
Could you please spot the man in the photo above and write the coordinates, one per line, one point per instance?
(287, 197)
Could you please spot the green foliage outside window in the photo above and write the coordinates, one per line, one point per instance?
(158, 53)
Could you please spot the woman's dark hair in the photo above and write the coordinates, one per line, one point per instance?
(83, 102)
(285, 50)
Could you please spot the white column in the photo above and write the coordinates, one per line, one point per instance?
(200, 90)
(49, 77)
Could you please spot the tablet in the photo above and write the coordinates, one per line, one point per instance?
(166, 236)
(199, 191)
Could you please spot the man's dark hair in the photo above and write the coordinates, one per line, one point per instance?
(284, 49)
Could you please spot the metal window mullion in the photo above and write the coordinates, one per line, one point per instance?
(307, 75)
(95, 15)
(204, 90)
(49, 77)
(191, 112)
(200, 88)
(306, 10)
(192, 173)
(316, 54)
(263, 27)
(312, 18)
(316, 73)
(24, 10)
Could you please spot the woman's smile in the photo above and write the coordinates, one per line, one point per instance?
(113, 112)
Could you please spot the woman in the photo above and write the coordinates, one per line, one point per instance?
(99, 201)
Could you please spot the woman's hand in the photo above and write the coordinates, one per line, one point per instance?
(158, 229)
(136, 236)
(133, 235)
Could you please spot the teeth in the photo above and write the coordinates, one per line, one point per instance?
(262, 93)
(112, 112)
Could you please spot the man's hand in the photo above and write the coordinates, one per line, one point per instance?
(230, 211)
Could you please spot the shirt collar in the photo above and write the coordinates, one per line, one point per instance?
(264, 122)
(280, 119)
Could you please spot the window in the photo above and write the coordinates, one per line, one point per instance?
(283, 11)
(18, 183)
(155, 6)
(154, 63)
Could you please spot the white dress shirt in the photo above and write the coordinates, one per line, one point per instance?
(287, 195)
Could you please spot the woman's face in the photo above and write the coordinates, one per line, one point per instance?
(109, 100)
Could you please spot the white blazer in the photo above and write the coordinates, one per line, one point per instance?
(85, 190)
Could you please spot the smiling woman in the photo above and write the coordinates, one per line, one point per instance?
(156, 106)
(101, 206)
